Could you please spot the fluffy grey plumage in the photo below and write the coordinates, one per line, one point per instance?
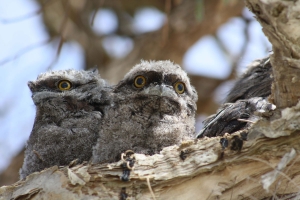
(243, 101)
(255, 82)
(147, 113)
(232, 117)
(69, 107)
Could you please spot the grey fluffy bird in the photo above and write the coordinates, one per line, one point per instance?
(255, 82)
(69, 107)
(153, 107)
(245, 100)
(232, 117)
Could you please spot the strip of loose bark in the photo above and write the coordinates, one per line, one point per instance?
(280, 21)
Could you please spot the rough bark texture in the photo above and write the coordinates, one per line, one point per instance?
(266, 166)
(280, 21)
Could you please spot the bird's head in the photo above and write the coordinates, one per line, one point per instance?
(161, 79)
(72, 84)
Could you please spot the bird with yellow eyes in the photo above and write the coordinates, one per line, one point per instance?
(69, 107)
(153, 107)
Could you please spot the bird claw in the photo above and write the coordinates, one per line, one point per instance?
(128, 159)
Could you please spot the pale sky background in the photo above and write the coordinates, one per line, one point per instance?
(24, 54)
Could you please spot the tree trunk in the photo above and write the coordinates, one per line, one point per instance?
(280, 22)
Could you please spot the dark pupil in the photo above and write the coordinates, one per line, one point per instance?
(64, 85)
(140, 81)
(180, 87)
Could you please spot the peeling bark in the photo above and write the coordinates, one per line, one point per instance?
(281, 24)
(266, 166)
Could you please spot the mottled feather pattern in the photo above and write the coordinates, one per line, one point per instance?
(66, 123)
(86, 112)
(150, 118)
(247, 97)
(255, 82)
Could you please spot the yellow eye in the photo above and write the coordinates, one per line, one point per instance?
(179, 87)
(139, 81)
(64, 85)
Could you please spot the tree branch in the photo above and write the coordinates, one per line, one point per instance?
(202, 168)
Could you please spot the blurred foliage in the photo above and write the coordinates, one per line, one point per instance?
(199, 10)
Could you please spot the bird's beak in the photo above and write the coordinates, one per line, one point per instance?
(160, 90)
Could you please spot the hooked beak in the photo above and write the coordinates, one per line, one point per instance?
(160, 90)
